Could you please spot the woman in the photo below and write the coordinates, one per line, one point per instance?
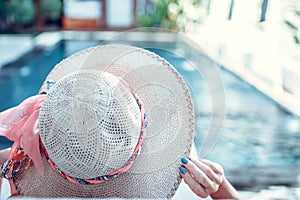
(110, 121)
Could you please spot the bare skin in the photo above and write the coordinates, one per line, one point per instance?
(4, 154)
(206, 178)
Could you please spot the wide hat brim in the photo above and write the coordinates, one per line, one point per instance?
(170, 131)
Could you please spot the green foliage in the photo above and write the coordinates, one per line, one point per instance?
(22, 12)
(51, 9)
(2, 8)
(172, 14)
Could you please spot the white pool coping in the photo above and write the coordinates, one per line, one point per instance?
(13, 47)
(286, 100)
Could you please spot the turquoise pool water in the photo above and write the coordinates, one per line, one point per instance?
(256, 132)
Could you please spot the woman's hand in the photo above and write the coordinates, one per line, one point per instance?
(206, 178)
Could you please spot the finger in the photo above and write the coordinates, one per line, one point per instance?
(215, 177)
(217, 168)
(200, 176)
(197, 188)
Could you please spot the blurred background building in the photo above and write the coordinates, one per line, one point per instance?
(255, 45)
(249, 32)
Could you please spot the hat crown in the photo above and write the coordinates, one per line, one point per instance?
(89, 124)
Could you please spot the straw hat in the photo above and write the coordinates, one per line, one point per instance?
(91, 121)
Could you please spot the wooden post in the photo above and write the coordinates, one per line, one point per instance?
(39, 22)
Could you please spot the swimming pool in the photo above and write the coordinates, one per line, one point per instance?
(257, 133)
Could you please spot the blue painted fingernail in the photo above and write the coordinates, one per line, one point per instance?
(182, 170)
(184, 160)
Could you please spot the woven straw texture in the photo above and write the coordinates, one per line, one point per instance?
(90, 124)
(168, 105)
